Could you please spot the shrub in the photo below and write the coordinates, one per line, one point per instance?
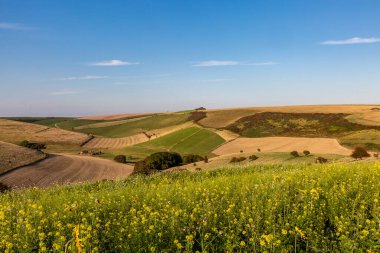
(359, 153)
(120, 159)
(294, 154)
(197, 116)
(306, 152)
(206, 159)
(237, 159)
(33, 145)
(241, 151)
(320, 160)
(258, 150)
(253, 157)
(163, 160)
(141, 168)
(191, 158)
(376, 155)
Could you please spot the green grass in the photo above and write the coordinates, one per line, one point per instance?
(369, 139)
(50, 122)
(71, 124)
(192, 140)
(46, 121)
(265, 158)
(135, 127)
(276, 208)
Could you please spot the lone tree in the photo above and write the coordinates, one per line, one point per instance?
(306, 152)
(294, 153)
(359, 153)
(120, 159)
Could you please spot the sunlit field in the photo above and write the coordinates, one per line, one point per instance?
(264, 208)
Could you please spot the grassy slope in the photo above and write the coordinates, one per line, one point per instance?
(263, 158)
(367, 138)
(131, 128)
(296, 125)
(298, 208)
(223, 118)
(70, 124)
(192, 140)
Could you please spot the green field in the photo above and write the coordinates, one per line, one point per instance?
(369, 139)
(272, 208)
(192, 140)
(46, 121)
(135, 127)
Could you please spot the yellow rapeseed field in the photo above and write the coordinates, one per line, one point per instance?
(264, 208)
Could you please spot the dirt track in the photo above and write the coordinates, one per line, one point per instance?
(283, 144)
(60, 169)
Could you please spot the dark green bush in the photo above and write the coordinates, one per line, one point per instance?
(33, 145)
(320, 160)
(359, 153)
(237, 159)
(141, 168)
(197, 116)
(120, 159)
(306, 152)
(163, 160)
(191, 158)
(294, 154)
(253, 157)
(158, 161)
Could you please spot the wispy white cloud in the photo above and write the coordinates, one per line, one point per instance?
(113, 63)
(73, 78)
(215, 63)
(64, 92)
(15, 27)
(355, 40)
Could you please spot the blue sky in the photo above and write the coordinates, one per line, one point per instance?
(72, 58)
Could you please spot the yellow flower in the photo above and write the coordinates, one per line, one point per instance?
(189, 238)
(77, 240)
(284, 231)
(299, 231)
(242, 244)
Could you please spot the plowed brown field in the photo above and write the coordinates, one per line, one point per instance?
(61, 169)
(102, 142)
(15, 132)
(283, 144)
(13, 156)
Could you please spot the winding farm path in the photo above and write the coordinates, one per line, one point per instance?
(61, 169)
